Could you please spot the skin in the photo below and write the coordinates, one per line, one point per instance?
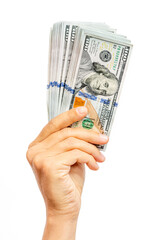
(58, 157)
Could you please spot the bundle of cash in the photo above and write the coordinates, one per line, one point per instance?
(87, 64)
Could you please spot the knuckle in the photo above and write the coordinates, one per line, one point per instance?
(37, 161)
(66, 131)
(29, 155)
(77, 153)
(91, 158)
(63, 133)
(46, 166)
(49, 168)
(71, 141)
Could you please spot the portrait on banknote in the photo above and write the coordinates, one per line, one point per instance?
(87, 69)
(95, 78)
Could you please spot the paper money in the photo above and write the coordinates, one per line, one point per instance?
(91, 62)
(70, 36)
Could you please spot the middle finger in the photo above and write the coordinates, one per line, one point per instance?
(80, 133)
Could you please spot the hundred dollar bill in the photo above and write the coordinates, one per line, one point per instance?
(65, 49)
(96, 75)
(49, 76)
(52, 93)
(70, 35)
(69, 50)
(62, 46)
(56, 62)
(96, 27)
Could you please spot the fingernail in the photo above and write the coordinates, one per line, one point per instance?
(102, 157)
(104, 137)
(81, 110)
(96, 165)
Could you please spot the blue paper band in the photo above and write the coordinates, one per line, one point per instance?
(80, 93)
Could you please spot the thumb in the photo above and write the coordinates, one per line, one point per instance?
(61, 121)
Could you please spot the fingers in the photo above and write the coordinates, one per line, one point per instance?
(80, 133)
(74, 143)
(76, 156)
(33, 151)
(48, 161)
(61, 121)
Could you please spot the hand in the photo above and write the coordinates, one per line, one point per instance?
(57, 157)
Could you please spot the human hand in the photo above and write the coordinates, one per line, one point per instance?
(57, 157)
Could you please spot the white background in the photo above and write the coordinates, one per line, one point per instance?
(122, 199)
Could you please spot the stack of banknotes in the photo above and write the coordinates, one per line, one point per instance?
(87, 65)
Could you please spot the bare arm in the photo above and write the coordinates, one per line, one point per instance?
(57, 157)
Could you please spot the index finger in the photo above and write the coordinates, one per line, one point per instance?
(61, 121)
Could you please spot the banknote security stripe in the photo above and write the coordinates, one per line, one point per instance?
(81, 94)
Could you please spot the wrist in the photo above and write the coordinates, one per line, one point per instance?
(60, 227)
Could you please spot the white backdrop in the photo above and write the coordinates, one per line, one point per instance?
(122, 199)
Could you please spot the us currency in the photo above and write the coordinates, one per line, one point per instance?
(59, 49)
(70, 36)
(69, 50)
(95, 78)
(96, 27)
(49, 76)
(63, 39)
(51, 69)
(64, 66)
(87, 63)
(52, 93)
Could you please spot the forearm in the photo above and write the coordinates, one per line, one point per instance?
(60, 228)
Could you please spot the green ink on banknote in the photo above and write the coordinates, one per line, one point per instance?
(117, 57)
(87, 123)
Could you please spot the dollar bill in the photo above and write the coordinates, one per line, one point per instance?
(71, 38)
(97, 80)
(87, 64)
(49, 76)
(52, 72)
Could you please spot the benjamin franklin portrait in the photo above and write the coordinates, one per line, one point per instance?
(96, 78)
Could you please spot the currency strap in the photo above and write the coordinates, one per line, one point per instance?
(80, 93)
